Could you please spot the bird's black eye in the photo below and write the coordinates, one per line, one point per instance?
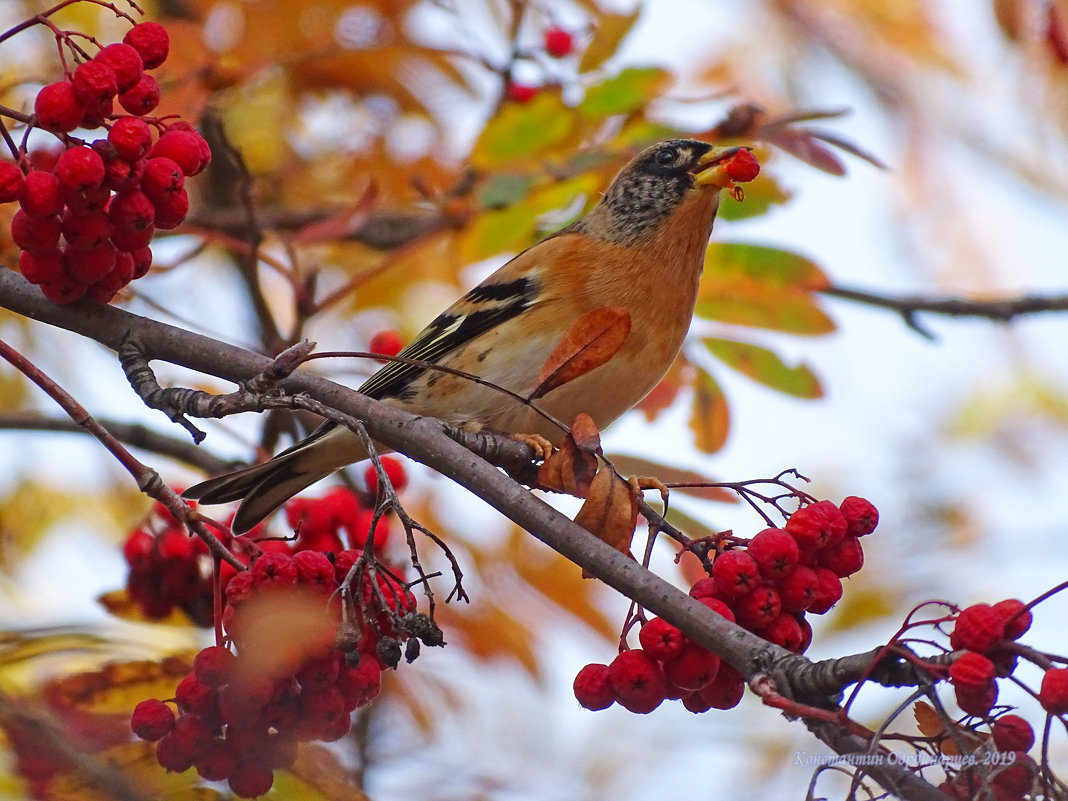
(667, 156)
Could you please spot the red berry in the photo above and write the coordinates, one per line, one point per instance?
(132, 209)
(692, 668)
(142, 260)
(637, 681)
(57, 108)
(251, 780)
(558, 42)
(94, 83)
(817, 525)
(152, 719)
(756, 610)
(845, 557)
(141, 98)
(726, 690)
(977, 702)
(1017, 618)
(314, 569)
(79, 169)
(703, 588)
(785, 631)
(183, 147)
(125, 62)
(86, 231)
(43, 268)
(799, 589)
(742, 166)
(775, 552)
(971, 671)
(197, 698)
(1012, 733)
(205, 148)
(388, 343)
(41, 196)
(175, 546)
(361, 684)
(593, 689)
(65, 290)
(87, 201)
(214, 666)
(192, 735)
(393, 469)
(978, 628)
(131, 137)
(151, 42)
(12, 182)
(661, 640)
(861, 516)
(274, 570)
(736, 573)
(1053, 693)
(806, 633)
(521, 93)
(171, 211)
(828, 591)
(719, 607)
(89, 266)
(218, 762)
(162, 179)
(1015, 780)
(36, 235)
(172, 756)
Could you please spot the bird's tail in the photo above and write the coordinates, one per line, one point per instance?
(262, 488)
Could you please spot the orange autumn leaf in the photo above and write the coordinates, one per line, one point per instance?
(572, 467)
(610, 512)
(592, 340)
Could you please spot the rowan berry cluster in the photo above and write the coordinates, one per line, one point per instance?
(88, 212)
(982, 631)
(1007, 772)
(766, 586)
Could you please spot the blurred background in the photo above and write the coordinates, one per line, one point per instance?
(385, 155)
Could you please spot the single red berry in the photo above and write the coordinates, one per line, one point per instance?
(175, 546)
(703, 588)
(756, 610)
(817, 525)
(1014, 779)
(845, 557)
(736, 573)
(162, 178)
(142, 98)
(183, 147)
(43, 268)
(775, 552)
(152, 719)
(1053, 693)
(89, 266)
(719, 607)
(87, 201)
(692, 668)
(197, 698)
(65, 290)
(743, 166)
(393, 468)
(806, 633)
(1012, 733)
(786, 631)
(36, 235)
(661, 640)
(361, 684)
(172, 755)
(388, 343)
(132, 209)
(214, 666)
(192, 734)
(274, 570)
(319, 674)
(131, 239)
(695, 702)
(637, 681)
(79, 169)
(95, 116)
(94, 83)
(726, 690)
(251, 780)
(125, 62)
(41, 196)
(217, 763)
(343, 563)
(142, 260)
(314, 570)
(861, 515)
(828, 591)
(593, 689)
(799, 589)
(1017, 618)
(521, 93)
(121, 175)
(977, 702)
(131, 137)
(171, 211)
(151, 42)
(971, 671)
(205, 148)
(978, 628)
(86, 231)
(12, 182)
(57, 108)
(558, 42)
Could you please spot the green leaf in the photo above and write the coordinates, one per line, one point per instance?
(710, 415)
(494, 232)
(764, 367)
(760, 195)
(504, 189)
(521, 130)
(628, 91)
(612, 29)
(765, 264)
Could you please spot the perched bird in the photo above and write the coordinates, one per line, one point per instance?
(640, 248)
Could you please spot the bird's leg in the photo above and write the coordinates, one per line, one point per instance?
(543, 449)
(639, 483)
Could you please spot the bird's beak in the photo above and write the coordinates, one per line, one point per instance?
(707, 170)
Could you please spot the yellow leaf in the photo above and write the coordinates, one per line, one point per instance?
(710, 415)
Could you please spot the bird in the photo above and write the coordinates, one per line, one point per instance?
(640, 248)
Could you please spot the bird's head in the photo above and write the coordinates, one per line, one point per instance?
(654, 183)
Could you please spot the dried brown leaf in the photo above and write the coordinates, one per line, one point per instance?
(610, 512)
